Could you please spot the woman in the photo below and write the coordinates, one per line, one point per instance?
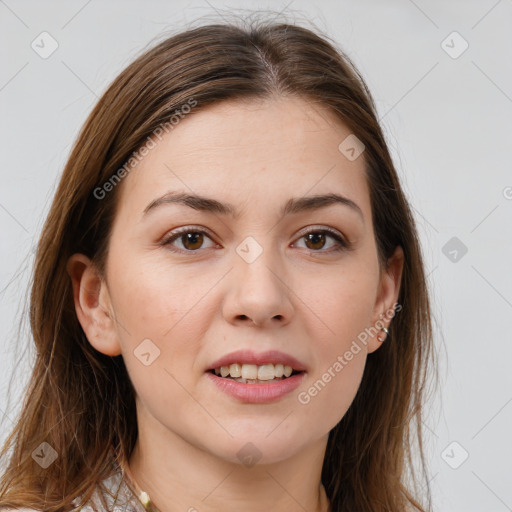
(229, 300)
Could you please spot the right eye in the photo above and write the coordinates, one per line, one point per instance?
(191, 239)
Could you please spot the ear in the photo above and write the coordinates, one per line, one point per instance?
(92, 305)
(387, 297)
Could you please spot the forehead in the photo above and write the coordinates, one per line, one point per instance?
(249, 153)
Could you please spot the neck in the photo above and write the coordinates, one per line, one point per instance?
(183, 477)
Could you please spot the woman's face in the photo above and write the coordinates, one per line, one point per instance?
(247, 277)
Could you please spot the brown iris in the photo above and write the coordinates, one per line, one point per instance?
(194, 238)
(314, 237)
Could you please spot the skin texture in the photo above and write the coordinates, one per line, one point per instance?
(299, 296)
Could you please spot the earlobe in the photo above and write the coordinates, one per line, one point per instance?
(387, 298)
(92, 304)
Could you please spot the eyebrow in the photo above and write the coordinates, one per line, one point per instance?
(292, 206)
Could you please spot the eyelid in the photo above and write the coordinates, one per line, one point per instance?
(315, 227)
(175, 233)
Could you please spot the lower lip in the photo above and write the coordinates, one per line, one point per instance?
(257, 393)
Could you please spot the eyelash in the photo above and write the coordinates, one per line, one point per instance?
(343, 245)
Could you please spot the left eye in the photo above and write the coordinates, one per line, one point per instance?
(192, 240)
(319, 236)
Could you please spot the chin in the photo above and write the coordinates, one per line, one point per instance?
(259, 448)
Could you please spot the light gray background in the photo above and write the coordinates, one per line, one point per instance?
(446, 119)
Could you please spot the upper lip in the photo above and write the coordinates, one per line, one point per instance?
(259, 359)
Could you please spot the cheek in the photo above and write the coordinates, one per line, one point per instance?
(340, 356)
(162, 322)
(156, 299)
(161, 343)
(330, 392)
(343, 304)
(345, 307)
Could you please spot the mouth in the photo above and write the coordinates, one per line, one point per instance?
(252, 383)
(246, 373)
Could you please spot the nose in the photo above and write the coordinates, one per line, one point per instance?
(259, 293)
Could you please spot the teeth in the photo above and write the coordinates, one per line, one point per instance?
(257, 381)
(249, 371)
(252, 373)
(266, 372)
(235, 370)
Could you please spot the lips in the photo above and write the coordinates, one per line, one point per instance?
(259, 359)
(257, 393)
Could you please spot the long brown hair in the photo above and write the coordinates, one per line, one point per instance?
(81, 402)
